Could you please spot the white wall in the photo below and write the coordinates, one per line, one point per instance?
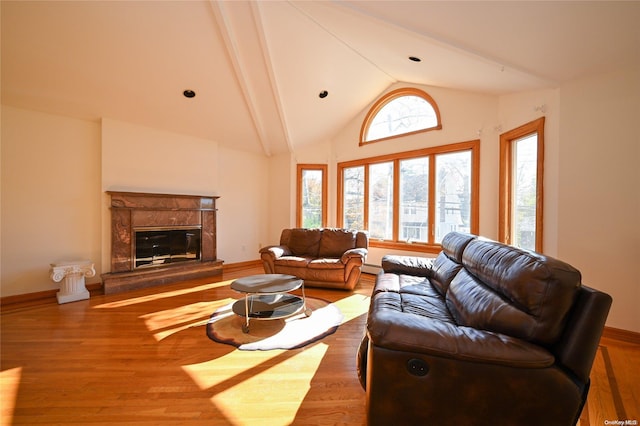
(142, 159)
(243, 208)
(599, 189)
(55, 171)
(50, 197)
(281, 211)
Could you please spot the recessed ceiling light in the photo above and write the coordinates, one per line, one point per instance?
(415, 59)
(189, 93)
(323, 94)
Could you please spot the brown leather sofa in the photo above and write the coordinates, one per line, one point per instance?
(484, 334)
(327, 257)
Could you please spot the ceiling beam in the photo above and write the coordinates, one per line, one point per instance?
(277, 96)
(242, 70)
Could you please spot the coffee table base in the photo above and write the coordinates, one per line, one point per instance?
(269, 307)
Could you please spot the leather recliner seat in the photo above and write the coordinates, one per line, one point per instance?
(484, 334)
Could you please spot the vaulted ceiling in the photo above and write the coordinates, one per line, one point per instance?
(257, 68)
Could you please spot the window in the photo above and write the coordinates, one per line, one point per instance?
(353, 198)
(381, 201)
(414, 199)
(400, 112)
(453, 192)
(521, 197)
(411, 200)
(312, 196)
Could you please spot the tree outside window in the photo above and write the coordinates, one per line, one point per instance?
(414, 200)
(312, 196)
(381, 201)
(453, 189)
(411, 198)
(521, 190)
(353, 200)
(400, 112)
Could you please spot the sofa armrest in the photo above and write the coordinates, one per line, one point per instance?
(408, 265)
(390, 328)
(356, 253)
(270, 254)
(577, 348)
(275, 251)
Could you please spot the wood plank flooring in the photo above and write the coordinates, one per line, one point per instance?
(143, 358)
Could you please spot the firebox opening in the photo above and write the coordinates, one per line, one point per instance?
(161, 246)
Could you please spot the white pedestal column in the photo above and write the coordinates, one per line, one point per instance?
(72, 276)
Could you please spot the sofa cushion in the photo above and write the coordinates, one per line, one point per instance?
(512, 291)
(304, 242)
(334, 242)
(296, 261)
(454, 243)
(400, 283)
(421, 324)
(326, 263)
(443, 271)
(407, 265)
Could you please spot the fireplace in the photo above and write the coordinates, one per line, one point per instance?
(160, 238)
(165, 245)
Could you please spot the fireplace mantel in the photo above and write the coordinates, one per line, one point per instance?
(132, 211)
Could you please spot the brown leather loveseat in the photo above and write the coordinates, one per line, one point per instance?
(484, 334)
(327, 257)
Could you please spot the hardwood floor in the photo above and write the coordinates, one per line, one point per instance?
(143, 358)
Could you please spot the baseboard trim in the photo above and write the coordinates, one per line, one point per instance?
(621, 335)
(49, 296)
(233, 267)
(41, 297)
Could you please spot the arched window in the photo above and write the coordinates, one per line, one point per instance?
(400, 112)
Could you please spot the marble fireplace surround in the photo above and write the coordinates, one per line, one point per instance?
(133, 210)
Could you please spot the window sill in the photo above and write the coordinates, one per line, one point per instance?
(401, 245)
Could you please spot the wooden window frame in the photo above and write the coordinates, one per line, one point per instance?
(430, 246)
(300, 169)
(505, 207)
(389, 97)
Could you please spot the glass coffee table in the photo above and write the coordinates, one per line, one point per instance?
(266, 297)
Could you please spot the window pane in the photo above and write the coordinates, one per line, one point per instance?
(414, 197)
(311, 198)
(381, 201)
(453, 193)
(402, 115)
(353, 198)
(524, 192)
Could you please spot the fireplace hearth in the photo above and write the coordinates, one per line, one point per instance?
(160, 238)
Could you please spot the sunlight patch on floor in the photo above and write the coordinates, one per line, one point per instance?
(213, 373)
(264, 389)
(353, 306)
(165, 323)
(162, 295)
(9, 383)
